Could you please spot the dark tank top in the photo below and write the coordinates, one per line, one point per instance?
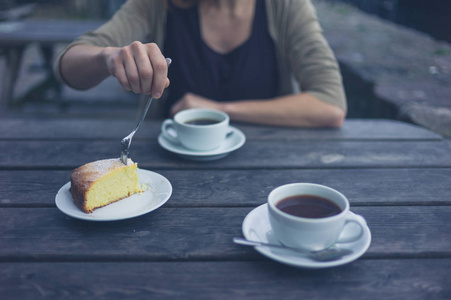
(247, 72)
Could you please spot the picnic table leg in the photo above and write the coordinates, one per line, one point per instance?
(48, 53)
(13, 56)
(40, 91)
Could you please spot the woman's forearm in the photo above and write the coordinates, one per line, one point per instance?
(299, 110)
(84, 66)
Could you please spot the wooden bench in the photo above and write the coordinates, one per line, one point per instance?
(15, 36)
(17, 12)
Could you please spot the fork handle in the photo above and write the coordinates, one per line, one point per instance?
(143, 114)
(128, 139)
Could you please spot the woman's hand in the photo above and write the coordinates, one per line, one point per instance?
(190, 100)
(138, 67)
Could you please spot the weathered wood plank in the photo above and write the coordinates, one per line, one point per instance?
(46, 32)
(364, 279)
(185, 249)
(199, 234)
(353, 129)
(254, 154)
(250, 188)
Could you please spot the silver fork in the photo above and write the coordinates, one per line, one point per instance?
(126, 141)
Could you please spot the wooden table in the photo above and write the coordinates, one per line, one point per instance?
(15, 36)
(396, 175)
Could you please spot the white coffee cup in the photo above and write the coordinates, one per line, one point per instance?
(313, 234)
(185, 128)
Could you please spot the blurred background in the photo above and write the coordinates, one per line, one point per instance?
(431, 16)
(395, 58)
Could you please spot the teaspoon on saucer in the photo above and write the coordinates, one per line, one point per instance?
(329, 254)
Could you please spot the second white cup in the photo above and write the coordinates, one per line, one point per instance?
(311, 216)
(198, 129)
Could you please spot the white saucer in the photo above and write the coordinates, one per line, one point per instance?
(234, 141)
(256, 227)
(159, 191)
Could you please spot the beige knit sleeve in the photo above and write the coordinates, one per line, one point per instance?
(309, 55)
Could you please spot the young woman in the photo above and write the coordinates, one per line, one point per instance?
(260, 61)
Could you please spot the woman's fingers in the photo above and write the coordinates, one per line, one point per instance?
(160, 70)
(144, 67)
(116, 68)
(140, 68)
(131, 69)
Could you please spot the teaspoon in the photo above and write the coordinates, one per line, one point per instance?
(329, 254)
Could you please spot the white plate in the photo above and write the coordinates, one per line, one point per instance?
(160, 190)
(234, 141)
(256, 227)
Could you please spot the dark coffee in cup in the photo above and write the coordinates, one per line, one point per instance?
(202, 122)
(308, 206)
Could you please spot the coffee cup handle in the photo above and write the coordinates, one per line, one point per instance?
(356, 219)
(229, 133)
(165, 129)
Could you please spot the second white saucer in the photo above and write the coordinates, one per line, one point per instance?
(234, 141)
(256, 227)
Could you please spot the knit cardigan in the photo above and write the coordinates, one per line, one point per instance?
(306, 62)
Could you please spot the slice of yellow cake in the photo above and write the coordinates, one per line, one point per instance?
(102, 182)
